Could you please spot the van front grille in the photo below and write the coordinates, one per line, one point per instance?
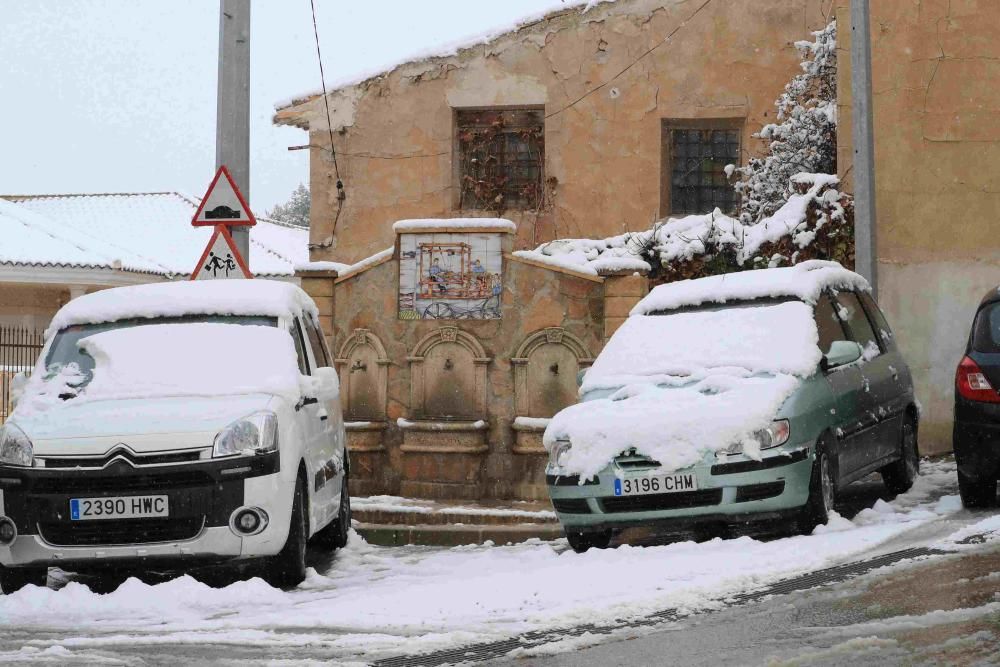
(113, 532)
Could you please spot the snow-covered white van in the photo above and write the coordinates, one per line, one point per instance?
(174, 425)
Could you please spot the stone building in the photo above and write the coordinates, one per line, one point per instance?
(584, 124)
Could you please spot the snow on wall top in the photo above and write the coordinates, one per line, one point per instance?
(803, 281)
(417, 225)
(143, 232)
(203, 297)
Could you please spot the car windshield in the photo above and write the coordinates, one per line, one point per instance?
(64, 350)
(742, 338)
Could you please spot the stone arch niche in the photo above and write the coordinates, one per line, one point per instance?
(444, 443)
(363, 367)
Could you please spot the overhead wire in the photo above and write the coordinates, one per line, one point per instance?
(341, 196)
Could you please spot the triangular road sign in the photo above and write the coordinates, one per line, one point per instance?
(221, 259)
(223, 204)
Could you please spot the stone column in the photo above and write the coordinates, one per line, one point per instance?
(319, 285)
(622, 290)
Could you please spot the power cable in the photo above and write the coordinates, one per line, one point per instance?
(341, 196)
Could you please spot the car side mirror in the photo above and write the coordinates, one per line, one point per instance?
(17, 384)
(582, 373)
(323, 384)
(842, 353)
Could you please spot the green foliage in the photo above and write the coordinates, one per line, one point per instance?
(296, 210)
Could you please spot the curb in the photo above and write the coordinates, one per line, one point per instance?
(451, 535)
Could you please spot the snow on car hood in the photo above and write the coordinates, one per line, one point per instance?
(140, 416)
(688, 383)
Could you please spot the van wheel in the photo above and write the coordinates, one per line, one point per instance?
(334, 534)
(288, 568)
(822, 492)
(899, 475)
(977, 492)
(14, 579)
(581, 542)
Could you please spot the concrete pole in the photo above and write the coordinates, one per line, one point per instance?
(865, 236)
(232, 121)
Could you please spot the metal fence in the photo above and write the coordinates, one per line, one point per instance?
(19, 348)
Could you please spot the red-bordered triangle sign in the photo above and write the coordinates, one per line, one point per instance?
(221, 259)
(223, 204)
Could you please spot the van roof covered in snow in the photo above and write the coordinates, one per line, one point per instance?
(804, 281)
(175, 299)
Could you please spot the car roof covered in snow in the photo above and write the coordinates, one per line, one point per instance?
(269, 298)
(804, 281)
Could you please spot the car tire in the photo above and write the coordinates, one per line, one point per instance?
(581, 542)
(977, 493)
(334, 535)
(899, 475)
(14, 579)
(288, 568)
(822, 491)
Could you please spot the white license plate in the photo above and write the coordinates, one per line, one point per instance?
(641, 486)
(122, 507)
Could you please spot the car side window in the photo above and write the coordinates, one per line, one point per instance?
(300, 350)
(316, 342)
(856, 321)
(828, 325)
(877, 317)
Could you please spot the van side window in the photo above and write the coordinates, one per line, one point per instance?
(316, 342)
(877, 317)
(857, 324)
(828, 325)
(300, 350)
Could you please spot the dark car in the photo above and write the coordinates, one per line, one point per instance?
(976, 436)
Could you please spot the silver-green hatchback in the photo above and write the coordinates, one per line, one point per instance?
(750, 396)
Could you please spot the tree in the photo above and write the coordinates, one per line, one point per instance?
(296, 210)
(805, 137)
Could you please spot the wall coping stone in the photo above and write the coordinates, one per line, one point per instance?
(556, 269)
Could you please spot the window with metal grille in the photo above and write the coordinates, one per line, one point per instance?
(501, 158)
(695, 157)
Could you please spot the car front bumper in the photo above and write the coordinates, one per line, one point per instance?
(734, 489)
(202, 497)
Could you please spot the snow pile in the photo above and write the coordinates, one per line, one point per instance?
(687, 384)
(471, 224)
(208, 297)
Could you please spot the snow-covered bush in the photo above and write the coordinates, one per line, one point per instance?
(805, 137)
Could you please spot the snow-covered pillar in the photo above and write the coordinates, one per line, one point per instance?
(622, 291)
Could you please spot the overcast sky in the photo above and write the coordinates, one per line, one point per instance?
(119, 95)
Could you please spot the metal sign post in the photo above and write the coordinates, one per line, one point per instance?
(865, 237)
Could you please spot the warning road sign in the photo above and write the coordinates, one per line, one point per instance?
(221, 259)
(223, 204)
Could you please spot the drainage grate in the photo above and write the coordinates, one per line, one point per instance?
(498, 649)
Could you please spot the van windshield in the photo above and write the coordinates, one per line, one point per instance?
(65, 351)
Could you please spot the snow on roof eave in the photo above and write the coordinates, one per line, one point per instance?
(804, 281)
(287, 110)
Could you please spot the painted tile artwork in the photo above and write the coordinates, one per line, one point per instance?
(450, 276)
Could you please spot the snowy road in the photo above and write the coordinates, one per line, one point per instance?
(368, 602)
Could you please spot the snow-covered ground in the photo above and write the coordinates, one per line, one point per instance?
(371, 602)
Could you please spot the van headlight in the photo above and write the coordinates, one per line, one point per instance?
(15, 447)
(558, 453)
(253, 434)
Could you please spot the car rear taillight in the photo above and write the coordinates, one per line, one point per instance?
(971, 384)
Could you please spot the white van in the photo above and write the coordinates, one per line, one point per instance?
(174, 425)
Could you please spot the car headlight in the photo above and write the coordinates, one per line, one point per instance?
(15, 447)
(776, 434)
(253, 434)
(558, 453)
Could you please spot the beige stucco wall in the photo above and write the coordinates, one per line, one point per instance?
(936, 83)
(30, 306)
(603, 148)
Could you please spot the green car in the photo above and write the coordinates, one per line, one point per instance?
(737, 398)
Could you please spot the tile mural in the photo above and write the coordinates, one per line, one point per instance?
(450, 276)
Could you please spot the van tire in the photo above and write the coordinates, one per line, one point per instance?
(822, 491)
(288, 568)
(581, 542)
(899, 475)
(977, 493)
(14, 579)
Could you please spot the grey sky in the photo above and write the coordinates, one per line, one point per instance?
(119, 95)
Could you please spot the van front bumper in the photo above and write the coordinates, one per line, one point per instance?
(734, 489)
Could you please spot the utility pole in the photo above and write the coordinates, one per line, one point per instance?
(865, 237)
(232, 121)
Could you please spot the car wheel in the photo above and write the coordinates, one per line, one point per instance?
(822, 492)
(14, 579)
(581, 542)
(334, 534)
(288, 568)
(977, 492)
(899, 475)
